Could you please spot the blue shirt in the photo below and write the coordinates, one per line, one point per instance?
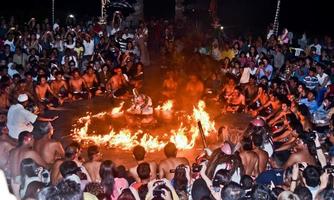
(267, 69)
(311, 105)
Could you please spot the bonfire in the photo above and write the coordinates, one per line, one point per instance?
(184, 136)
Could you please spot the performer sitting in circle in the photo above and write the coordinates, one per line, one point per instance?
(78, 86)
(91, 81)
(235, 102)
(45, 95)
(118, 84)
(60, 87)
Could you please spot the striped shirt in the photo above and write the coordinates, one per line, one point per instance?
(311, 82)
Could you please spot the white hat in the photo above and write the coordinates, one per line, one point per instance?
(22, 98)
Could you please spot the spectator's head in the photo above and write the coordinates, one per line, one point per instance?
(68, 168)
(72, 152)
(232, 191)
(42, 129)
(144, 171)
(287, 195)
(69, 190)
(311, 95)
(23, 99)
(303, 193)
(126, 195)
(261, 192)
(170, 150)
(28, 168)
(257, 140)
(311, 176)
(312, 71)
(246, 182)
(180, 178)
(25, 138)
(107, 177)
(93, 153)
(139, 153)
(48, 193)
(32, 190)
(326, 194)
(247, 144)
(95, 189)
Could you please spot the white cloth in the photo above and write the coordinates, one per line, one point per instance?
(322, 78)
(89, 47)
(19, 119)
(245, 75)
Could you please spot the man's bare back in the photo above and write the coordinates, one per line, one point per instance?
(263, 159)
(49, 150)
(5, 148)
(250, 161)
(16, 156)
(170, 163)
(153, 174)
(93, 168)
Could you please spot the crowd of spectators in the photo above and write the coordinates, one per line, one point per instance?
(285, 84)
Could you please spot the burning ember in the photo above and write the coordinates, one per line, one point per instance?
(184, 136)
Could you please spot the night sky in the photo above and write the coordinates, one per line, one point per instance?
(297, 15)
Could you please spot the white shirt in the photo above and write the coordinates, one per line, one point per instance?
(19, 119)
(322, 78)
(11, 45)
(89, 47)
(245, 75)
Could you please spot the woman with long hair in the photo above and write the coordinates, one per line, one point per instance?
(112, 186)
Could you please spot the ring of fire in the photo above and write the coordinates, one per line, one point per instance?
(184, 136)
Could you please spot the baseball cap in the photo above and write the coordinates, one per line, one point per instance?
(22, 98)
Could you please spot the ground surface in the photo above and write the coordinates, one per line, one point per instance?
(73, 111)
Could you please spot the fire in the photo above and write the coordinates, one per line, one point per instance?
(117, 111)
(184, 136)
(167, 106)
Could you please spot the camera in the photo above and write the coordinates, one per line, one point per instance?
(330, 170)
(158, 192)
(196, 168)
(312, 135)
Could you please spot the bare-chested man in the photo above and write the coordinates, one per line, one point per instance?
(6, 144)
(118, 83)
(250, 160)
(72, 153)
(261, 98)
(77, 85)
(169, 86)
(262, 154)
(139, 154)
(300, 153)
(280, 115)
(60, 87)
(236, 102)
(269, 109)
(49, 149)
(94, 163)
(42, 90)
(91, 81)
(194, 90)
(171, 162)
(16, 155)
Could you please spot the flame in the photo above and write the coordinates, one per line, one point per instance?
(118, 110)
(184, 137)
(167, 106)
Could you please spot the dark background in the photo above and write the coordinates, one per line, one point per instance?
(248, 15)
